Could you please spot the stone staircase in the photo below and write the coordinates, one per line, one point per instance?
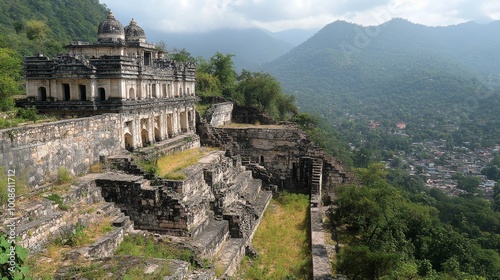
(40, 221)
(316, 180)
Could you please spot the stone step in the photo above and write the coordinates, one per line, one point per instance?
(34, 235)
(230, 256)
(27, 211)
(208, 242)
(252, 190)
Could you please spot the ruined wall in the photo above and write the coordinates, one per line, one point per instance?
(220, 114)
(286, 154)
(37, 151)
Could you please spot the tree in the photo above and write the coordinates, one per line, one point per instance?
(181, 55)
(10, 77)
(37, 30)
(222, 67)
(469, 184)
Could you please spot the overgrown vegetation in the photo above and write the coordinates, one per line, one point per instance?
(146, 246)
(45, 264)
(169, 166)
(59, 201)
(216, 77)
(63, 176)
(282, 241)
(395, 228)
(12, 262)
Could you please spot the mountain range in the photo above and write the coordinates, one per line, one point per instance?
(250, 47)
(433, 78)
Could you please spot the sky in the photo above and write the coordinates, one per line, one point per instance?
(279, 15)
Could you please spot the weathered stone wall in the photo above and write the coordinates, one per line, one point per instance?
(286, 153)
(37, 151)
(220, 114)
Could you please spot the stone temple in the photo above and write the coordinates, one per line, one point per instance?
(122, 93)
(120, 73)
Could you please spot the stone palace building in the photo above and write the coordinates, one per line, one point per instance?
(120, 73)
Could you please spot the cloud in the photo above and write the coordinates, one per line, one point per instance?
(276, 15)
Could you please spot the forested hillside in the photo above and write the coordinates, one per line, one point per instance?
(433, 79)
(33, 26)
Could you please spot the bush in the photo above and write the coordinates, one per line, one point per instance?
(63, 176)
(28, 113)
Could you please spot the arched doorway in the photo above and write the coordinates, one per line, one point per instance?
(42, 94)
(129, 142)
(144, 137)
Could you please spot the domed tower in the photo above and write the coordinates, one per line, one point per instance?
(134, 33)
(110, 30)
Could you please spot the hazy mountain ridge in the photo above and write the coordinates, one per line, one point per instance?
(398, 71)
(250, 47)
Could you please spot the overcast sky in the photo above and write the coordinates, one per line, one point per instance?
(278, 15)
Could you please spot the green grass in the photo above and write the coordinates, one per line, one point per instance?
(140, 246)
(282, 241)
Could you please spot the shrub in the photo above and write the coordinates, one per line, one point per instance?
(63, 176)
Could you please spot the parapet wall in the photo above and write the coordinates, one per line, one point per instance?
(37, 151)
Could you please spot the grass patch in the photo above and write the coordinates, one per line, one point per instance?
(63, 176)
(59, 201)
(140, 246)
(96, 168)
(282, 241)
(45, 264)
(168, 165)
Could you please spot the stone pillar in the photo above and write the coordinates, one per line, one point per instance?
(93, 86)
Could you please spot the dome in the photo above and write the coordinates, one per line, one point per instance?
(110, 29)
(134, 32)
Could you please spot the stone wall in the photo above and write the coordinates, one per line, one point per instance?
(220, 114)
(37, 151)
(285, 154)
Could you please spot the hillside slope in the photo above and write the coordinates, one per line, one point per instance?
(64, 21)
(398, 71)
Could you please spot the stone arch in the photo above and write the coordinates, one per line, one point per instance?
(131, 93)
(144, 137)
(42, 94)
(129, 141)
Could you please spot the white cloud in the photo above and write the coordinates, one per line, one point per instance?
(276, 15)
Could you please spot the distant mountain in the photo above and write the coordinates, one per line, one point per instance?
(295, 36)
(398, 71)
(250, 47)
